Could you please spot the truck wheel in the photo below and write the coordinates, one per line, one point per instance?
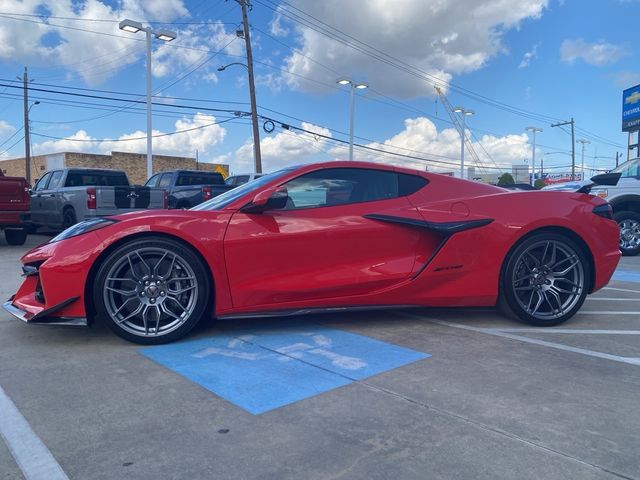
(15, 236)
(68, 218)
(629, 223)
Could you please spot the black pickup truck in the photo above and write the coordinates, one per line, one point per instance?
(188, 188)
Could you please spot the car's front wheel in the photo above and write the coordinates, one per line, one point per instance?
(629, 223)
(152, 290)
(545, 280)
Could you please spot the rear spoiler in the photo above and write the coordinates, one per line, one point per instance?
(604, 179)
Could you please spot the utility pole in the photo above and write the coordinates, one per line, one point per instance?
(617, 154)
(27, 139)
(573, 145)
(533, 130)
(252, 89)
(583, 142)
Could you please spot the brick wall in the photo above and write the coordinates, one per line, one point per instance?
(135, 164)
(16, 167)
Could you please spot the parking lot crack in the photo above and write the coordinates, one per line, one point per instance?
(491, 429)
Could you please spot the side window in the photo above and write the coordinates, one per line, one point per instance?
(42, 183)
(165, 181)
(242, 179)
(153, 181)
(230, 181)
(55, 179)
(632, 170)
(339, 186)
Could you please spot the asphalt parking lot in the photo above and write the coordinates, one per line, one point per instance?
(377, 395)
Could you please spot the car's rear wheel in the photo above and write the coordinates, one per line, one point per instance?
(151, 290)
(15, 236)
(629, 223)
(545, 280)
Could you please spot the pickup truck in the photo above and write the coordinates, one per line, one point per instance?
(188, 188)
(14, 208)
(242, 178)
(624, 199)
(63, 197)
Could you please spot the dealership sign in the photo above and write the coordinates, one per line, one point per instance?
(631, 109)
(553, 178)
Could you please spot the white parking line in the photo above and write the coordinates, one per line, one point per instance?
(613, 299)
(504, 333)
(608, 312)
(621, 289)
(566, 330)
(31, 455)
(535, 341)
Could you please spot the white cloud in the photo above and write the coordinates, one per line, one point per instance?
(528, 57)
(442, 39)
(441, 149)
(202, 39)
(625, 79)
(7, 138)
(62, 42)
(181, 144)
(276, 28)
(598, 53)
(287, 147)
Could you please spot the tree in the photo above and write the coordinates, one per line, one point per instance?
(539, 183)
(505, 179)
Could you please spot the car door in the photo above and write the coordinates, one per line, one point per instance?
(51, 199)
(322, 245)
(38, 215)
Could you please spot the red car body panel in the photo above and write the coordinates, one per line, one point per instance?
(361, 254)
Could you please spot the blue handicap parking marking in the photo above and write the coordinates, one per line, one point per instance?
(625, 276)
(262, 369)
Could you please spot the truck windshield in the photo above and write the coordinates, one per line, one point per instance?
(185, 179)
(221, 201)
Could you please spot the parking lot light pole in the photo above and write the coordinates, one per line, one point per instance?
(463, 113)
(583, 142)
(166, 36)
(352, 101)
(533, 130)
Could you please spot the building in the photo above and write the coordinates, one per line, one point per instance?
(135, 164)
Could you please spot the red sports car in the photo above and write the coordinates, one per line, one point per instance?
(330, 236)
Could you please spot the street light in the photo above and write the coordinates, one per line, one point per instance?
(257, 155)
(463, 113)
(583, 142)
(533, 130)
(132, 26)
(354, 86)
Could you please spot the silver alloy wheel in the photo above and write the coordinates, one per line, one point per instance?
(629, 234)
(150, 291)
(548, 279)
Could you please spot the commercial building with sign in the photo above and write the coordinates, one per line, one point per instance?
(631, 119)
(134, 164)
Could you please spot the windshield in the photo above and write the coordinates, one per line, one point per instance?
(629, 169)
(221, 201)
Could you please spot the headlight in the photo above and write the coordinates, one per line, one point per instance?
(600, 192)
(83, 227)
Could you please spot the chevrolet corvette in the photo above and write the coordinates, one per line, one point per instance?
(325, 237)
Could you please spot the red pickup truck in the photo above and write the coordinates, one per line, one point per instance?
(14, 209)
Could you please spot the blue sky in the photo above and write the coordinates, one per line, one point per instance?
(539, 60)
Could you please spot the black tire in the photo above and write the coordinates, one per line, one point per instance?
(68, 218)
(15, 236)
(136, 329)
(533, 288)
(629, 223)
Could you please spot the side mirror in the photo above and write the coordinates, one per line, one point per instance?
(270, 199)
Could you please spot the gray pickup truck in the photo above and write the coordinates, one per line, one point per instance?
(63, 197)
